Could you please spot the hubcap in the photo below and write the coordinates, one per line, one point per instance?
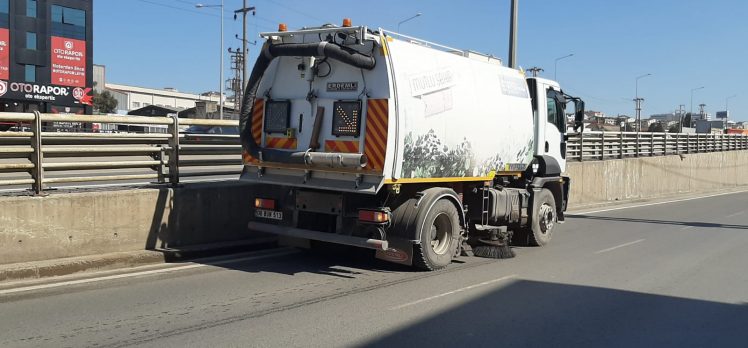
(547, 218)
(441, 231)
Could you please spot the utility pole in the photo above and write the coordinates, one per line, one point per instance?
(638, 113)
(235, 83)
(513, 34)
(702, 114)
(681, 110)
(244, 10)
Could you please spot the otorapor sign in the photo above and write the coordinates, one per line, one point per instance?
(46, 93)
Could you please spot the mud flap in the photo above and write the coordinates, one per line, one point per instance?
(399, 251)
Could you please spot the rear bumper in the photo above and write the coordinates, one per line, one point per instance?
(375, 244)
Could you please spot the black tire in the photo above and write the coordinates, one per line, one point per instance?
(439, 237)
(544, 219)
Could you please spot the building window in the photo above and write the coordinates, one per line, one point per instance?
(30, 75)
(68, 22)
(31, 40)
(136, 105)
(4, 14)
(31, 8)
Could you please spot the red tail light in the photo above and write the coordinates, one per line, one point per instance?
(261, 203)
(373, 216)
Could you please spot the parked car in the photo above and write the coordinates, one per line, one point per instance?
(218, 130)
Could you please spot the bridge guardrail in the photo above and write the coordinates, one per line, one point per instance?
(28, 152)
(612, 145)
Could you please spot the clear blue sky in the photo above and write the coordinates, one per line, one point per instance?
(683, 43)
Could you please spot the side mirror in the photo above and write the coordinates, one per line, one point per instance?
(578, 114)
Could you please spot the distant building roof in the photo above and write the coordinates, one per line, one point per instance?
(152, 110)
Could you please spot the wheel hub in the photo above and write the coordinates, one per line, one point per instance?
(441, 231)
(547, 218)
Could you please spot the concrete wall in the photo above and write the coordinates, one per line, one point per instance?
(599, 182)
(90, 223)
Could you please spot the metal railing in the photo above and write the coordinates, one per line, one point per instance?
(32, 155)
(612, 145)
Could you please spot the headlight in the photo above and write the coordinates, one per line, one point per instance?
(277, 116)
(346, 118)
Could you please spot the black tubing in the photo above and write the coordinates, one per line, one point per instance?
(269, 52)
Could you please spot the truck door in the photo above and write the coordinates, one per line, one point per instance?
(551, 123)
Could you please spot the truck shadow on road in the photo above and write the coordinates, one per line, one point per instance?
(335, 261)
(541, 314)
(659, 222)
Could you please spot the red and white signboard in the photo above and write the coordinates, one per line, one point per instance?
(4, 54)
(68, 62)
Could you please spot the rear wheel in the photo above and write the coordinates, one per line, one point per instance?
(440, 233)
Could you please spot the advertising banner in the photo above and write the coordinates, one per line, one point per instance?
(4, 54)
(68, 62)
(60, 95)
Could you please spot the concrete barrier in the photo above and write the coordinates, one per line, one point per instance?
(75, 224)
(63, 225)
(601, 182)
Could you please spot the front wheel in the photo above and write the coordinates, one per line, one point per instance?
(544, 220)
(440, 232)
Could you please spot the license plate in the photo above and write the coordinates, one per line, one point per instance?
(269, 214)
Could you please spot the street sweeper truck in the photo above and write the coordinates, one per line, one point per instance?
(419, 151)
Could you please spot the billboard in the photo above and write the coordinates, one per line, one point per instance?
(46, 93)
(4, 54)
(68, 62)
(723, 114)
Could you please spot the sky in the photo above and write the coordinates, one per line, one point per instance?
(684, 44)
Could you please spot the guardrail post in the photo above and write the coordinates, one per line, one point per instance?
(620, 145)
(174, 155)
(602, 147)
(581, 146)
(160, 170)
(651, 144)
(37, 158)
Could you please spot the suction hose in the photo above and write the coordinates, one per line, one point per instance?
(271, 51)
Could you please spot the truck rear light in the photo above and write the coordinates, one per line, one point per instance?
(374, 216)
(261, 203)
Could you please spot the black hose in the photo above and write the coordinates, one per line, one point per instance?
(271, 51)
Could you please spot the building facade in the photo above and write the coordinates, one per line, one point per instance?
(46, 56)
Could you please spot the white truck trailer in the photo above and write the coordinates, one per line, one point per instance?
(382, 141)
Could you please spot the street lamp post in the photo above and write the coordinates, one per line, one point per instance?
(727, 108)
(639, 103)
(693, 90)
(220, 75)
(555, 65)
(407, 19)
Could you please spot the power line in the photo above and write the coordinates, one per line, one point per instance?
(297, 11)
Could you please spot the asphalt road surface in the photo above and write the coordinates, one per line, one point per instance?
(670, 274)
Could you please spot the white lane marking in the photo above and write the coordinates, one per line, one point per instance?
(144, 273)
(656, 203)
(619, 246)
(736, 214)
(452, 292)
(687, 227)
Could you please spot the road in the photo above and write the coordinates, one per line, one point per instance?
(670, 274)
